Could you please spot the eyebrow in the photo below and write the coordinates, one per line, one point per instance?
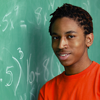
(70, 32)
(65, 32)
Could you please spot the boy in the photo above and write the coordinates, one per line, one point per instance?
(71, 30)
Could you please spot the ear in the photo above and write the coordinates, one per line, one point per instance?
(89, 39)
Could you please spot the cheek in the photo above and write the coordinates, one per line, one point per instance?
(54, 45)
(78, 45)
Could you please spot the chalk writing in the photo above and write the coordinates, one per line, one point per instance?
(25, 97)
(45, 18)
(16, 8)
(11, 75)
(19, 75)
(21, 98)
(51, 65)
(46, 71)
(5, 20)
(51, 4)
(12, 27)
(22, 24)
(21, 53)
(28, 67)
(37, 74)
(87, 5)
(38, 11)
(0, 79)
(32, 74)
(31, 77)
(31, 94)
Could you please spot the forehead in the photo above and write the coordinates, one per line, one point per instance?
(65, 24)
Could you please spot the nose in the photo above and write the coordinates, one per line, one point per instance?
(63, 43)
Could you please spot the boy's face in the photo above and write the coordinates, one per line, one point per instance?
(68, 41)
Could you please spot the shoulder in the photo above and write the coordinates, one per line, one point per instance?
(96, 65)
(95, 68)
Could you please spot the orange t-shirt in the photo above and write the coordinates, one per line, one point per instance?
(82, 86)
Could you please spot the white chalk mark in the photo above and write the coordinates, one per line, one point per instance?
(51, 65)
(31, 94)
(0, 79)
(11, 75)
(5, 20)
(19, 75)
(51, 4)
(31, 77)
(23, 24)
(21, 53)
(12, 27)
(46, 71)
(21, 98)
(38, 11)
(28, 67)
(58, 65)
(37, 74)
(87, 5)
(45, 18)
(16, 9)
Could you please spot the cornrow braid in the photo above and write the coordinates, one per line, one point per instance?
(81, 16)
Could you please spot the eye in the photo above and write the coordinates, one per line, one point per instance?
(55, 37)
(70, 36)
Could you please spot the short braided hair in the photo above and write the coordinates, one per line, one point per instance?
(81, 16)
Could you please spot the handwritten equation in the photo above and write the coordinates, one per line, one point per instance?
(8, 20)
(32, 76)
(10, 17)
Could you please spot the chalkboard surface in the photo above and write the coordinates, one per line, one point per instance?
(26, 57)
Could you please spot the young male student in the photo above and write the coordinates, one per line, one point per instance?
(71, 30)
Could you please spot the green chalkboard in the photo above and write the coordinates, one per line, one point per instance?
(26, 57)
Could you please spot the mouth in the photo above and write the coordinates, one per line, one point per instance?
(63, 56)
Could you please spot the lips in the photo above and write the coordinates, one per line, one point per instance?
(63, 56)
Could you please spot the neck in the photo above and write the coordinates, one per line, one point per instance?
(78, 66)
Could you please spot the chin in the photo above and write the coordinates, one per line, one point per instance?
(66, 63)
